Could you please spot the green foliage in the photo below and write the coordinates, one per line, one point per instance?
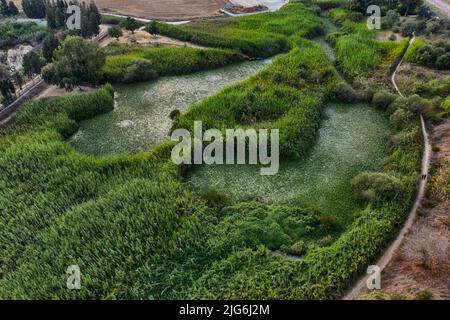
(382, 99)
(49, 45)
(8, 9)
(17, 33)
(60, 114)
(130, 24)
(435, 54)
(434, 88)
(115, 32)
(344, 93)
(139, 70)
(404, 7)
(32, 63)
(261, 35)
(163, 61)
(392, 18)
(77, 61)
(446, 104)
(216, 199)
(34, 8)
(136, 232)
(358, 52)
(116, 21)
(279, 97)
(377, 188)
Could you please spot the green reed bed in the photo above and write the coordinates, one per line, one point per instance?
(261, 35)
(358, 52)
(137, 232)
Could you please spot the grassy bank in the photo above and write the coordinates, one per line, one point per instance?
(141, 64)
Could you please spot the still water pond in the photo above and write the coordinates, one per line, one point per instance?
(140, 119)
(351, 140)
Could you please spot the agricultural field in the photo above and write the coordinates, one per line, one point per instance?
(88, 179)
(163, 9)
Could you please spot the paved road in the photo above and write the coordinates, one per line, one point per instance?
(443, 6)
(360, 286)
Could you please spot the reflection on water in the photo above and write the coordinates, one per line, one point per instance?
(351, 140)
(140, 119)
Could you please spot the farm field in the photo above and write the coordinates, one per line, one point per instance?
(163, 9)
(88, 177)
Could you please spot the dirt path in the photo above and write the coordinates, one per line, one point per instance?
(358, 288)
(144, 38)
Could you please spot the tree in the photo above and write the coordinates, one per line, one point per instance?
(407, 7)
(425, 12)
(6, 86)
(49, 45)
(131, 24)
(76, 61)
(392, 18)
(12, 9)
(32, 63)
(4, 9)
(34, 8)
(18, 79)
(115, 32)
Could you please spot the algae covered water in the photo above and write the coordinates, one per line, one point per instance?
(140, 119)
(351, 139)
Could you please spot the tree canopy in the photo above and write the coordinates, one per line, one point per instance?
(76, 61)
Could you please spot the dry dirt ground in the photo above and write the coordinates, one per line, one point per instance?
(163, 9)
(409, 75)
(144, 38)
(384, 36)
(54, 91)
(422, 263)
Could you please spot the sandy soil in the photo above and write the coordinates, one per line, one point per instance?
(423, 261)
(144, 38)
(384, 36)
(54, 91)
(163, 9)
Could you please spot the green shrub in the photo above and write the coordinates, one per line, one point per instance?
(216, 199)
(382, 99)
(139, 70)
(344, 92)
(429, 54)
(446, 104)
(377, 188)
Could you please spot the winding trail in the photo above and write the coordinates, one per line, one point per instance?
(354, 292)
